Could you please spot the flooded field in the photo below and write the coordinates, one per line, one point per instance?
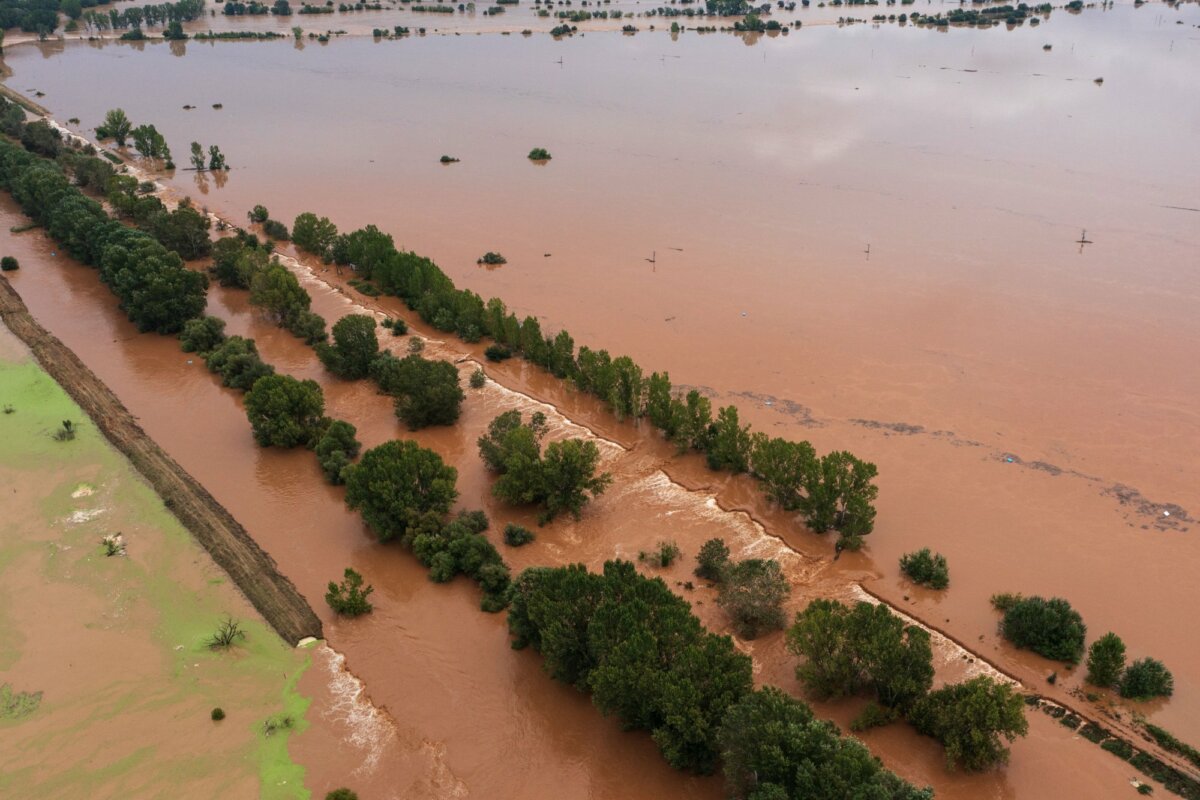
(866, 237)
(105, 655)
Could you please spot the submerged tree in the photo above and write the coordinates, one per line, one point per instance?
(116, 126)
(197, 157)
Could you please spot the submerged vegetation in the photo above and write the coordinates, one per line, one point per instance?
(642, 655)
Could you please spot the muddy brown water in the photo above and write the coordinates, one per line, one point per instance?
(976, 332)
(461, 713)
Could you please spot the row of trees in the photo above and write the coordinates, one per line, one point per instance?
(137, 16)
(561, 479)
(832, 492)
(1052, 628)
(644, 657)
(155, 289)
(848, 651)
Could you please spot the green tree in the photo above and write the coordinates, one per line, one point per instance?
(839, 495)
(259, 214)
(235, 263)
(569, 477)
(712, 560)
(1147, 678)
(970, 718)
(396, 483)
(773, 748)
(783, 467)
(116, 126)
(349, 598)
(1048, 627)
(336, 448)
(184, 230)
(495, 447)
(822, 636)
(202, 335)
(197, 157)
(427, 392)
(354, 347)
(277, 292)
(752, 594)
(926, 568)
(846, 650)
(1106, 660)
(237, 361)
(314, 234)
(729, 445)
(285, 412)
(216, 161)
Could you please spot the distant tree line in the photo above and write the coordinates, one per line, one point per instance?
(148, 15)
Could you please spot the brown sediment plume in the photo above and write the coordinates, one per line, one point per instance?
(251, 569)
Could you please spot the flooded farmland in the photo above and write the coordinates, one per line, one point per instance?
(863, 236)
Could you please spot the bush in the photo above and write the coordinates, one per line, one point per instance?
(664, 556)
(217, 714)
(517, 535)
(1119, 748)
(497, 352)
(399, 327)
(539, 154)
(427, 392)
(228, 633)
(285, 412)
(478, 379)
(1147, 678)
(712, 560)
(349, 598)
(237, 361)
(336, 448)
(752, 593)
(874, 715)
(8, 264)
(202, 335)
(308, 326)
(276, 230)
(926, 568)
(492, 259)
(341, 794)
(1050, 628)
(1106, 660)
(259, 214)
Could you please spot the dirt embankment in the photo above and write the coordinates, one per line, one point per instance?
(251, 569)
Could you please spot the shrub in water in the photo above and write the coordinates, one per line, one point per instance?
(926, 568)
(517, 535)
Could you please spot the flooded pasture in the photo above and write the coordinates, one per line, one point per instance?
(863, 236)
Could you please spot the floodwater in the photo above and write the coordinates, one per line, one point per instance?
(1029, 401)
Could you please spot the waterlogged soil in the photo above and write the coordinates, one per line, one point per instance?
(114, 647)
(1029, 401)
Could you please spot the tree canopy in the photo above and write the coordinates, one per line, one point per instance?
(427, 392)
(396, 483)
(354, 347)
(970, 719)
(285, 412)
